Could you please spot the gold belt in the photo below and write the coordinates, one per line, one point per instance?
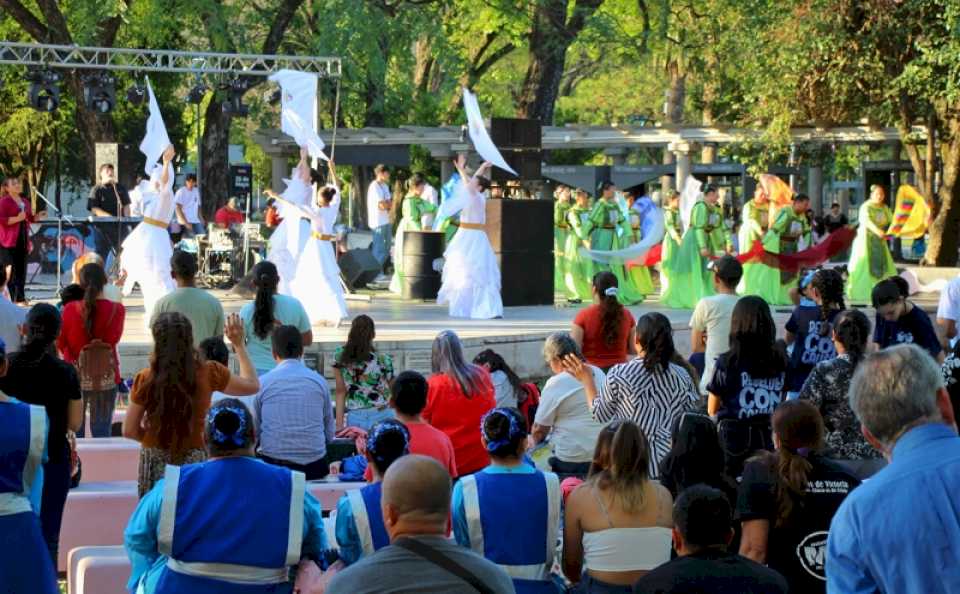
(475, 226)
(563, 226)
(322, 236)
(155, 222)
(608, 227)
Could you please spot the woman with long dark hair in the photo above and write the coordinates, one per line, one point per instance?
(787, 499)
(92, 329)
(507, 385)
(458, 395)
(16, 216)
(695, 457)
(363, 377)
(170, 399)
(808, 328)
(604, 331)
(267, 311)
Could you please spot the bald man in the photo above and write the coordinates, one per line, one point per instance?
(416, 506)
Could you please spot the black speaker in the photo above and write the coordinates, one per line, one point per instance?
(359, 267)
(515, 133)
(526, 163)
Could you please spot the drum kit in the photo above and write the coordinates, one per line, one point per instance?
(225, 255)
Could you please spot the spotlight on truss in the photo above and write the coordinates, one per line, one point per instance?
(274, 97)
(99, 92)
(234, 106)
(136, 94)
(196, 94)
(44, 93)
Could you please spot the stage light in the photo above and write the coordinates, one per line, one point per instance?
(196, 94)
(44, 89)
(99, 92)
(234, 106)
(136, 94)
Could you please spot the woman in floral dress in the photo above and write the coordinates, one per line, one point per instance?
(363, 378)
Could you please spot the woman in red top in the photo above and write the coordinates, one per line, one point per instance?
(15, 219)
(605, 330)
(94, 318)
(458, 395)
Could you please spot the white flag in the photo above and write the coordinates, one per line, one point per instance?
(156, 140)
(478, 133)
(689, 196)
(298, 108)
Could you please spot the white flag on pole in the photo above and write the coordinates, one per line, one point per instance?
(298, 109)
(689, 196)
(478, 133)
(156, 140)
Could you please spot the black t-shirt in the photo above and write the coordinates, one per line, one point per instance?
(104, 197)
(713, 571)
(834, 222)
(913, 327)
(798, 549)
(809, 346)
(48, 382)
(742, 395)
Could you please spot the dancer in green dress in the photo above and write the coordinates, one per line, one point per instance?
(870, 259)
(757, 277)
(412, 209)
(672, 236)
(783, 237)
(637, 278)
(610, 227)
(561, 229)
(577, 268)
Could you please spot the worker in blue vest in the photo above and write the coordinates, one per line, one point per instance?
(360, 530)
(233, 524)
(509, 512)
(25, 566)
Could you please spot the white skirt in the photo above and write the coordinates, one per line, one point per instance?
(316, 283)
(279, 251)
(145, 257)
(471, 277)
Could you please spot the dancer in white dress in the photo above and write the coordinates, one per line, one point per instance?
(290, 237)
(316, 283)
(145, 255)
(471, 277)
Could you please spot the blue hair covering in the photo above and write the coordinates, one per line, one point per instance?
(3, 348)
(804, 283)
(378, 432)
(516, 429)
(239, 437)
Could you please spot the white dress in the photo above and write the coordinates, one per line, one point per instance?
(316, 283)
(290, 237)
(471, 277)
(146, 252)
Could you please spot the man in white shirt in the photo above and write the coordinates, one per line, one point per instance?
(711, 318)
(430, 195)
(948, 311)
(378, 213)
(187, 200)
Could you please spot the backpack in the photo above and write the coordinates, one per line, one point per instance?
(95, 366)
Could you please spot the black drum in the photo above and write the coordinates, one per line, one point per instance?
(420, 249)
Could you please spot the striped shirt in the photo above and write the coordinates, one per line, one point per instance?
(651, 399)
(296, 417)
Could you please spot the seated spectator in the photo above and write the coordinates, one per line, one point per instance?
(200, 307)
(651, 390)
(231, 525)
(362, 378)
(507, 386)
(948, 309)
(229, 215)
(899, 321)
(69, 294)
(111, 292)
(416, 506)
(604, 330)
(509, 512)
(809, 327)
(907, 511)
(267, 311)
(951, 374)
(296, 418)
(170, 399)
(11, 317)
(748, 384)
(25, 565)
(36, 376)
(92, 329)
(702, 532)
(563, 414)
(710, 323)
(695, 457)
(360, 530)
(617, 524)
(458, 396)
(215, 349)
(788, 498)
(408, 399)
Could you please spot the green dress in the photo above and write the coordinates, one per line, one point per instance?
(783, 237)
(609, 234)
(414, 207)
(560, 232)
(689, 278)
(758, 279)
(577, 269)
(638, 278)
(870, 259)
(670, 247)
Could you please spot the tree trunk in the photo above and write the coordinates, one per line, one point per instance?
(215, 149)
(944, 239)
(673, 114)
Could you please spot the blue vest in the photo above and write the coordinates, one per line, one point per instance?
(233, 525)
(365, 505)
(512, 520)
(21, 453)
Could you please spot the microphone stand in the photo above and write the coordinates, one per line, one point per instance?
(60, 217)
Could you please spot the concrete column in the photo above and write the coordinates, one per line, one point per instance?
(815, 188)
(278, 171)
(681, 151)
(617, 155)
(666, 184)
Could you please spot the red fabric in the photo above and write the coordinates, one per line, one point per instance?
(450, 411)
(595, 349)
(107, 326)
(832, 245)
(653, 257)
(428, 441)
(569, 485)
(9, 209)
(226, 217)
(528, 408)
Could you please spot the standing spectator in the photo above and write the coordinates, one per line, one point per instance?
(267, 311)
(710, 324)
(378, 213)
(109, 198)
(900, 321)
(650, 390)
(748, 383)
(809, 327)
(36, 376)
(835, 219)
(907, 511)
(695, 457)
(458, 396)
(362, 378)
(187, 201)
(11, 316)
(408, 399)
(948, 309)
(617, 524)
(200, 307)
(563, 413)
(415, 503)
(92, 329)
(788, 498)
(170, 399)
(604, 331)
(229, 215)
(507, 386)
(702, 532)
(296, 419)
(16, 215)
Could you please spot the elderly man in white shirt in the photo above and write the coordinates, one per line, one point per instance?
(187, 201)
(378, 213)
